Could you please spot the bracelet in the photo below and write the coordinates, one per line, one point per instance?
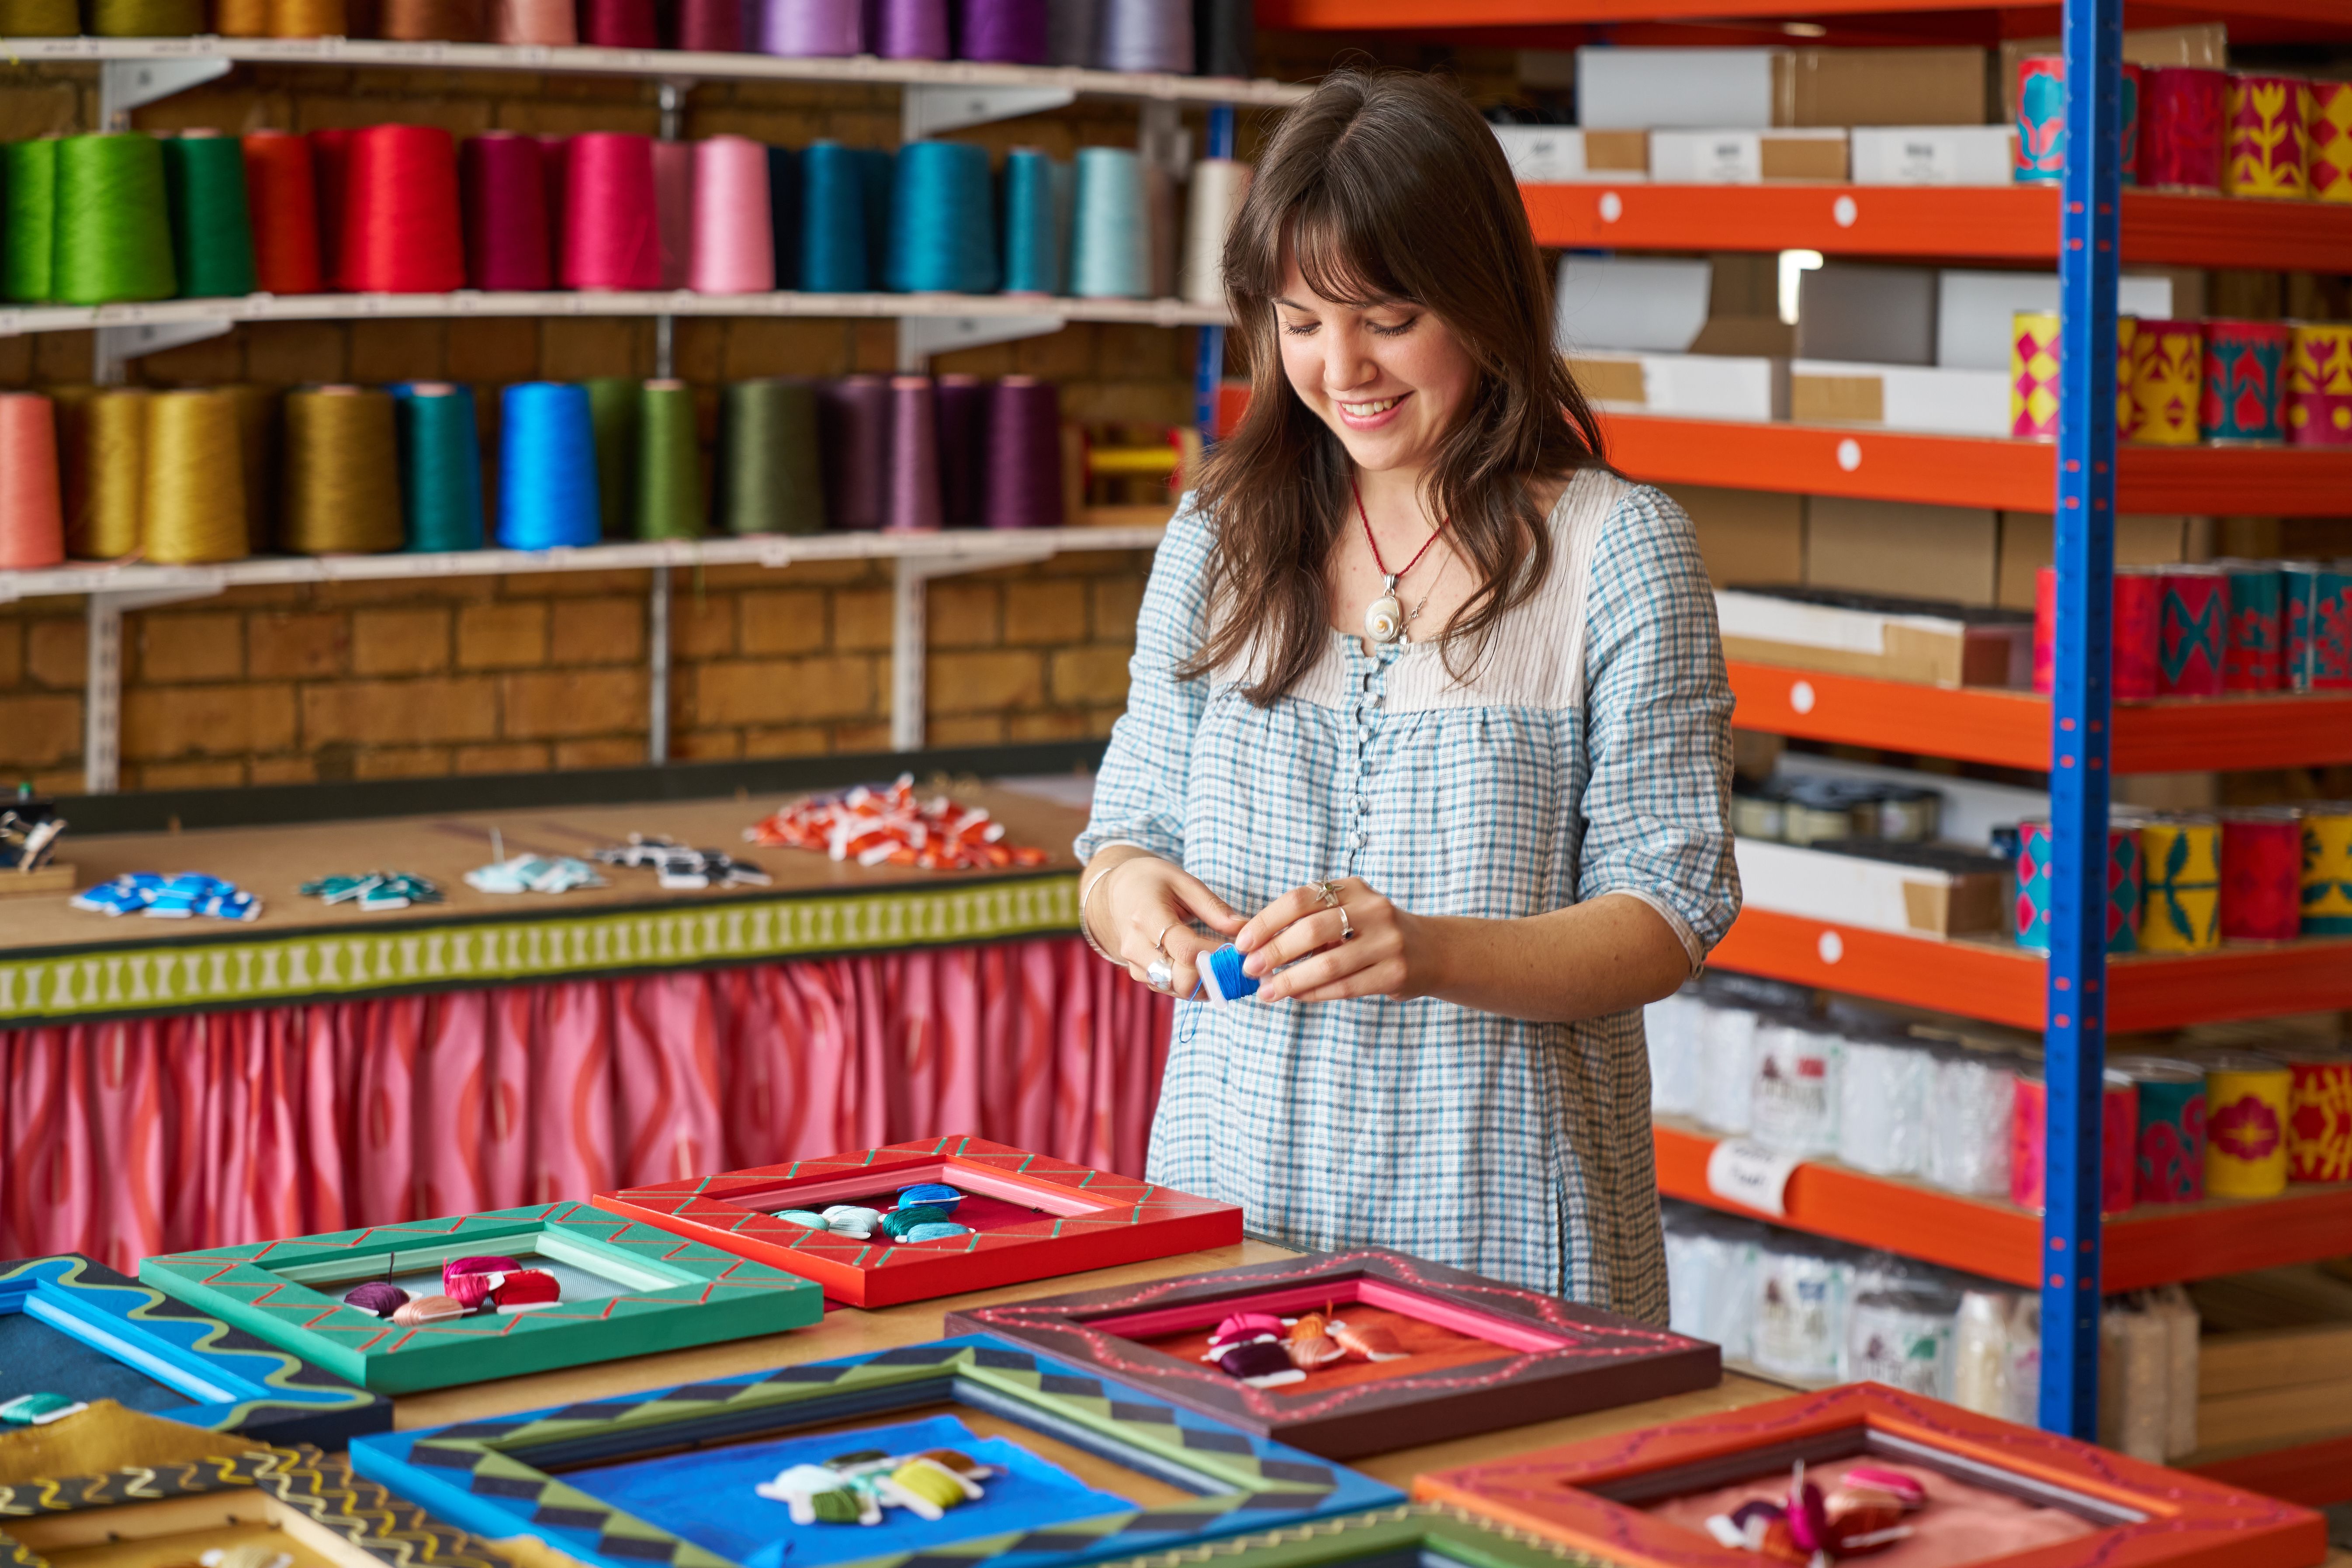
(1088, 893)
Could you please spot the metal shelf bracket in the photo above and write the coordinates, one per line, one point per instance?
(920, 337)
(925, 111)
(126, 85)
(101, 745)
(909, 630)
(113, 347)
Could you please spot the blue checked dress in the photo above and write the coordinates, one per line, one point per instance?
(1589, 754)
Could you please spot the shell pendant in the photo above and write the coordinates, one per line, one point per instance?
(1384, 617)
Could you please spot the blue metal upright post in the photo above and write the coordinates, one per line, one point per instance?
(2076, 1000)
(1209, 368)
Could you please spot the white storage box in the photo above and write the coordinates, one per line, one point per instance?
(1627, 302)
(1733, 157)
(1695, 386)
(1924, 899)
(1642, 90)
(1933, 154)
(1927, 398)
(1563, 154)
(1857, 634)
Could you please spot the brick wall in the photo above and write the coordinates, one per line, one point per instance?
(331, 681)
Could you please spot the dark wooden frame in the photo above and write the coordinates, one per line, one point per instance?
(1588, 1496)
(1600, 1360)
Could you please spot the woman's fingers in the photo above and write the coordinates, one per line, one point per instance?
(1278, 916)
(1317, 929)
(1206, 907)
(1348, 969)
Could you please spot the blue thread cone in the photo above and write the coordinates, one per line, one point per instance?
(942, 227)
(833, 221)
(1032, 228)
(547, 467)
(1109, 257)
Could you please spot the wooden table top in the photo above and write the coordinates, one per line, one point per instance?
(274, 862)
(849, 1331)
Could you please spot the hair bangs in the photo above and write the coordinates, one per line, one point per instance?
(1340, 254)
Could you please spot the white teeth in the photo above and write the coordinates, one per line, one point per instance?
(1366, 410)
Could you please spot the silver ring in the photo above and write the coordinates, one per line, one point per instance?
(1329, 893)
(1160, 974)
(1160, 942)
(1347, 926)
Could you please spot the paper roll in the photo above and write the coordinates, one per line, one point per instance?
(1217, 187)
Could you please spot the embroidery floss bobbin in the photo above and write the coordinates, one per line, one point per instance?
(1223, 978)
(2169, 1143)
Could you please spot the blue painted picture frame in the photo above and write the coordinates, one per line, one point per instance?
(231, 1381)
(504, 1478)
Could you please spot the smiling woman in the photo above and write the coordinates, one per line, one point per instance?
(1427, 715)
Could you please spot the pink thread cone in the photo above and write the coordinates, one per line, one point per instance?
(734, 245)
(32, 527)
(610, 239)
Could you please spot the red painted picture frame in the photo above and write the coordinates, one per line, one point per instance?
(1548, 1358)
(1586, 1495)
(1088, 1219)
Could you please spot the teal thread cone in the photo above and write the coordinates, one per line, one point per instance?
(1032, 227)
(942, 221)
(113, 234)
(1109, 253)
(440, 467)
(31, 218)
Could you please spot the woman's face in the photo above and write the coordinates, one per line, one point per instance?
(1389, 379)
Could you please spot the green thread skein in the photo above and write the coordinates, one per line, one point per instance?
(28, 274)
(113, 231)
(212, 232)
(898, 1222)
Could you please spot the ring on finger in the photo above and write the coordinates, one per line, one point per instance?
(1330, 893)
(1347, 926)
(1160, 974)
(1160, 942)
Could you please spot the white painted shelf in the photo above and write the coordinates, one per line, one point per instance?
(969, 549)
(667, 65)
(670, 302)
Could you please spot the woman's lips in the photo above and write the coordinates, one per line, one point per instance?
(1383, 410)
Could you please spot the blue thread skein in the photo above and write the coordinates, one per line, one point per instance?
(547, 467)
(942, 227)
(1221, 976)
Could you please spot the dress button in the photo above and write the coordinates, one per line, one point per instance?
(1362, 839)
(1363, 807)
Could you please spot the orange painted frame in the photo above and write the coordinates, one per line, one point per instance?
(1098, 1219)
(2186, 1521)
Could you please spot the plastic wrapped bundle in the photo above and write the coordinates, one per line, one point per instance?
(1793, 1106)
(1883, 1091)
(1969, 1112)
(1711, 1277)
(1800, 1310)
(1980, 1361)
(1726, 1058)
(2134, 1374)
(1672, 1029)
(1902, 1339)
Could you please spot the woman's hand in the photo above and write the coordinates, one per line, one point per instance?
(1393, 952)
(1144, 896)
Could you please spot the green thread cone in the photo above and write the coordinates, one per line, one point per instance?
(771, 478)
(31, 218)
(146, 18)
(212, 236)
(670, 464)
(114, 239)
(613, 406)
(39, 19)
(441, 468)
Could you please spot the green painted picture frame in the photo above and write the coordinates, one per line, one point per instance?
(1422, 1534)
(673, 1294)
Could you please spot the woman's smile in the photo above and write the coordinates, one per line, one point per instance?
(1360, 415)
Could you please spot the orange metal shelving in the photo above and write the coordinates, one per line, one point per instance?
(1994, 222)
(2150, 1245)
(2315, 18)
(2011, 729)
(1871, 463)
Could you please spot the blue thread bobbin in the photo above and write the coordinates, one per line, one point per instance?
(1221, 976)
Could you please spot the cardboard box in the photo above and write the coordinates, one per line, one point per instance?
(2027, 540)
(1933, 154)
(1932, 552)
(1913, 891)
(1733, 157)
(1973, 311)
(1866, 314)
(1930, 642)
(1563, 154)
(1645, 89)
(1696, 386)
(1900, 397)
(1746, 536)
(1627, 302)
(1881, 87)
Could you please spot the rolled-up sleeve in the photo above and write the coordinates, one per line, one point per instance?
(1658, 800)
(1140, 794)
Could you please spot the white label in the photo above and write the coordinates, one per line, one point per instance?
(1751, 1175)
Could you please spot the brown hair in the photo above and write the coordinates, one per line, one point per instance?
(1386, 187)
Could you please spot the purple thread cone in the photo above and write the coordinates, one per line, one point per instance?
(1011, 32)
(804, 29)
(855, 421)
(912, 30)
(962, 402)
(914, 456)
(1025, 455)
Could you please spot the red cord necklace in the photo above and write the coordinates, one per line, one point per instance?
(1384, 618)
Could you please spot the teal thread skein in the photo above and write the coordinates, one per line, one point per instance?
(1033, 224)
(440, 465)
(943, 222)
(832, 220)
(1109, 257)
(547, 467)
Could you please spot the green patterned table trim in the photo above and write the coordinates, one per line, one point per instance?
(164, 974)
